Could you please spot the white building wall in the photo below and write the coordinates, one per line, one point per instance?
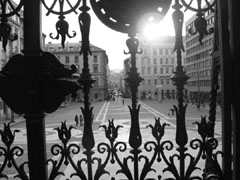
(156, 65)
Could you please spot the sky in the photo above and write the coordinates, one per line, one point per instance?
(114, 43)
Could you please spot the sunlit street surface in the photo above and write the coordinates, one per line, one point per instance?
(104, 111)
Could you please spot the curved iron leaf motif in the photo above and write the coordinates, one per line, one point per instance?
(62, 26)
(200, 24)
(62, 30)
(5, 28)
(9, 153)
(5, 33)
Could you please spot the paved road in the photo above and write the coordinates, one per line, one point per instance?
(104, 111)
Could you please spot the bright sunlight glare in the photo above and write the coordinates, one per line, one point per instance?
(154, 30)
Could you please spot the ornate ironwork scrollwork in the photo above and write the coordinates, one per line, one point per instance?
(5, 27)
(200, 23)
(62, 25)
(9, 152)
(65, 150)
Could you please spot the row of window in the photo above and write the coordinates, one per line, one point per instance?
(198, 56)
(206, 73)
(162, 70)
(195, 40)
(76, 59)
(151, 82)
(198, 65)
(201, 83)
(147, 61)
(156, 51)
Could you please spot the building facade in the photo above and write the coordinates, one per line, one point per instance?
(156, 66)
(98, 65)
(198, 62)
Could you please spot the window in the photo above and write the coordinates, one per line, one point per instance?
(145, 51)
(143, 70)
(95, 59)
(155, 70)
(155, 81)
(172, 60)
(160, 51)
(76, 59)
(167, 70)
(154, 61)
(149, 82)
(149, 70)
(96, 83)
(167, 81)
(67, 59)
(154, 51)
(95, 68)
(166, 60)
(161, 70)
(161, 61)
(162, 81)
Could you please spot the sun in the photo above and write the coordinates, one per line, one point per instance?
(153, 30)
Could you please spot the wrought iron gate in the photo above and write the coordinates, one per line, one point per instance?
(29, 84)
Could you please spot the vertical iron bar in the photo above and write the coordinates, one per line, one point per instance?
(226, 88)
(36, 146)
(209, 167)
(214, 77)
(133, 79)
(180, 80)
(34, 93)
(87, 81)
(234, 47)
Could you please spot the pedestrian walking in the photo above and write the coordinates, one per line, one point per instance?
(76, 120)
(123, 102)
(81, 120)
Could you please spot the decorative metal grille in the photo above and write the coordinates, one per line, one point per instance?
(45, 75)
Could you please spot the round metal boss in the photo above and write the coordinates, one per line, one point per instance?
(129, 15)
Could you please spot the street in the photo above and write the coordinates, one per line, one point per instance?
(104, 111)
